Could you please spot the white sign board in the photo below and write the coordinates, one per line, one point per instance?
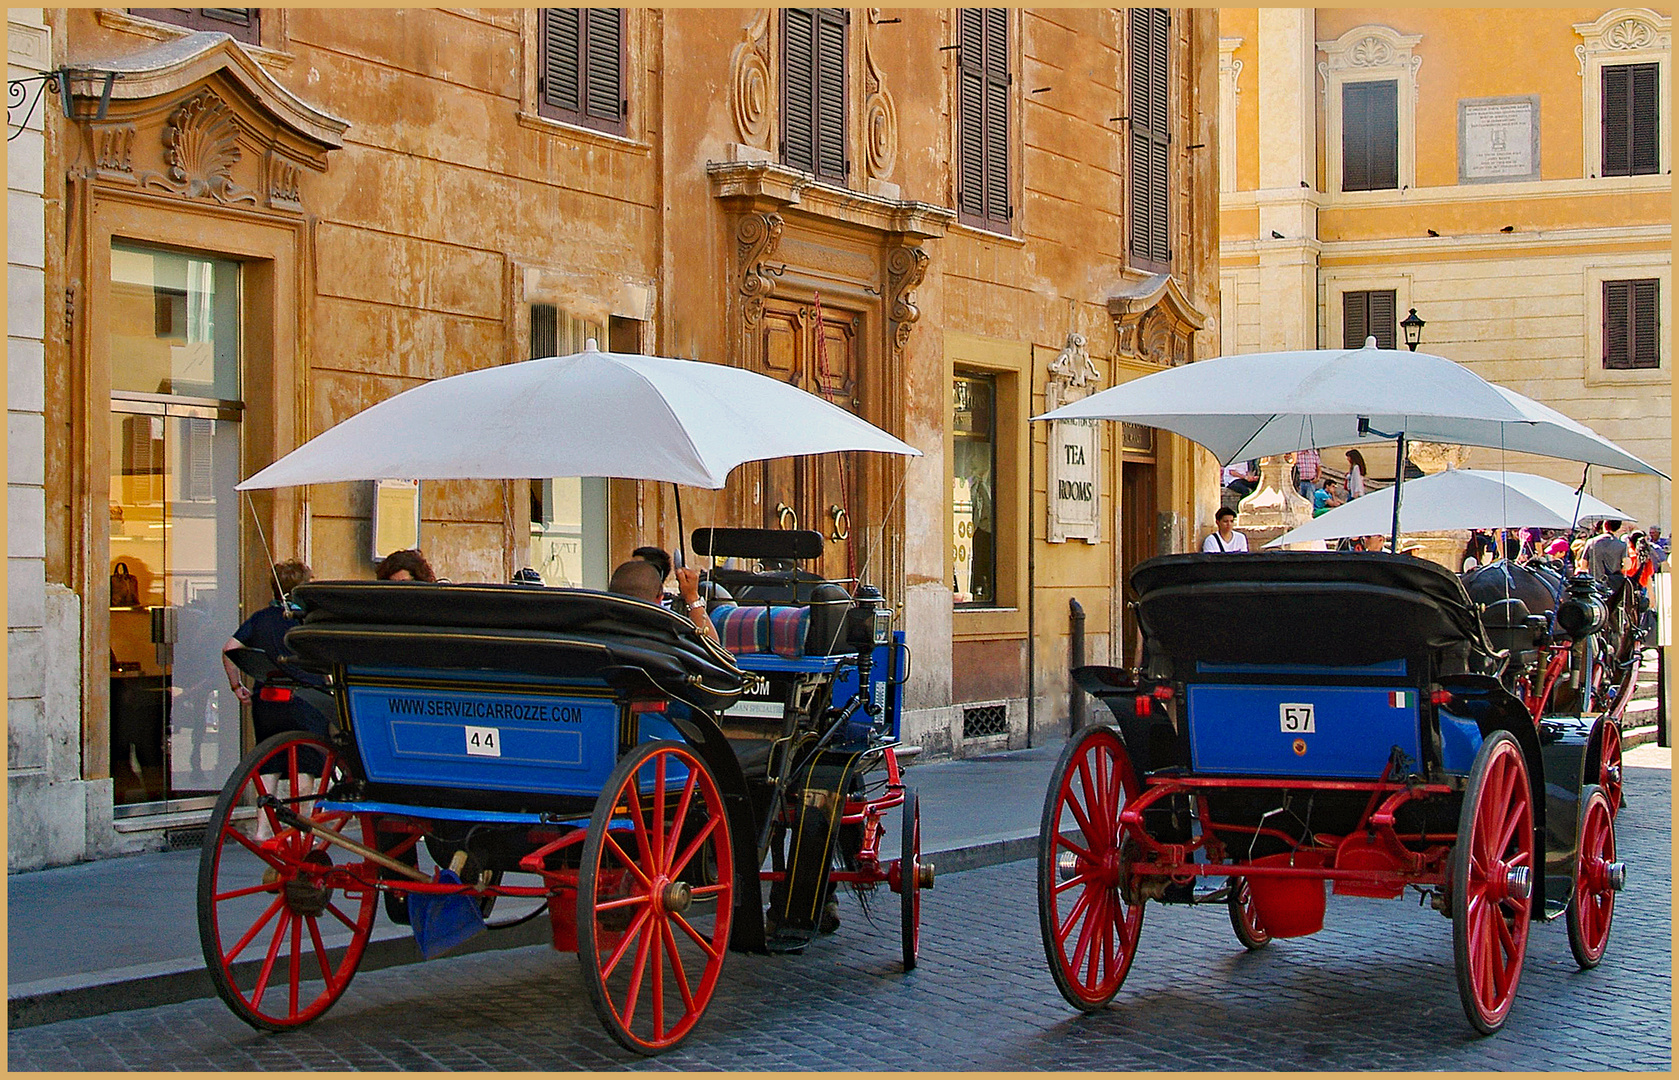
(1498, 139)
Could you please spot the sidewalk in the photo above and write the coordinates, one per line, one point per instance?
(122, 933)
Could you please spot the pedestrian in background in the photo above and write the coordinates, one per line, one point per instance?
(1356, 471)
(405, 565)
(1308, 466)
(1225, 538)
(1241, 477)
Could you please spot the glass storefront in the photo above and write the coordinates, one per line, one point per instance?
(568, 532)
(973, 502)
(174, 525)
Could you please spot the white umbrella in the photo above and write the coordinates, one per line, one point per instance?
(589, 414)
(1460, 499)
(1262, 404)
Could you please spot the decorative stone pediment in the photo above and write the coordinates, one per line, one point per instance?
(1372, 48)
(1623, 30)
(198, 118)
(1154, 321)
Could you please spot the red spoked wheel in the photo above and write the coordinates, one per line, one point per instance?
(1088, 918)
(1492, 869)
(1244, 917)
(283, 920)
(1609, 763)
(655, 896)
(909, 879)
(1597, 877)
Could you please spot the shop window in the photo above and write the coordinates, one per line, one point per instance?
(1631, 120)
(1632, 324)
(242, 24)
(1370, 136)
(813, 91)
(1368, 313)
(973, 490)
(982, 190)
(1151, 134)
(581, 76)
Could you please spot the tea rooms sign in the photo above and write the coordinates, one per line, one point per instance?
(1075, 449)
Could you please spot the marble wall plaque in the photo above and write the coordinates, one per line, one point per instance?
(1497, 139)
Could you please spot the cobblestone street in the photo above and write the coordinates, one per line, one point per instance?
(1374, 990)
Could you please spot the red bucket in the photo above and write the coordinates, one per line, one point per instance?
(1290, 906)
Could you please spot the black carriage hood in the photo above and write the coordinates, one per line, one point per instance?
(1339, 608)
(570, 633)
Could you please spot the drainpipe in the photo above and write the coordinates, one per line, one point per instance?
(1075, 704)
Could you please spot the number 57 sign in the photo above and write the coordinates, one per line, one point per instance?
(1298, 719)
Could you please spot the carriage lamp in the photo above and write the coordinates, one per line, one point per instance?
(1412, 326)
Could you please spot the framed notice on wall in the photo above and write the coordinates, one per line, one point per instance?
(1497, 139)
(396, 516)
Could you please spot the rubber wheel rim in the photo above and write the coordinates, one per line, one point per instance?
(1089, 938)
(909, 879)
(1489, 927)
(1244, 917)
(1591, 910)
(1609, 757)
(281, 904)
(639, 844)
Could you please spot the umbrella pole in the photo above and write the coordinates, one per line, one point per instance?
(1398, 491)
(680, 558)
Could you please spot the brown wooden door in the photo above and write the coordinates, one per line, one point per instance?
(1138, 514)
(816, 492)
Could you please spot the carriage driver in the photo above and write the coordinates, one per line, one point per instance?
(640, 579)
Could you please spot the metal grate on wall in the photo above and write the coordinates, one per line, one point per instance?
(182, 839)
(978, 721)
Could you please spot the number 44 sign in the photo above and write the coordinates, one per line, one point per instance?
(483, 741)
(1298, 719)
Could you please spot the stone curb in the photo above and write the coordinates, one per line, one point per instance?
(170, 982)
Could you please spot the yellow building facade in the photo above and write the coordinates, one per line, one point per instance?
(1505, 173)
(940, 219)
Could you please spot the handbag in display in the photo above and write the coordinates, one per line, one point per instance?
(125, 587)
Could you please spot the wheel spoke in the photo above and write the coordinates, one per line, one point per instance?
(1092, 915)
(293, 973)
(1092, 831)
(320, 951)
(256, 928)
(255, 849)
(656, 939)
(621, 902)
(637, 970)
(676, 968)
(268, 961)
(643, 844)
(624, 945)
(681, 814)
(712, 949)
(332, 909)
(1070, 800)
(1103, 920)
(1071, 882)
(656, 831)
(1060, 838)
(268, 887)
(629, 862)
(681, 861)
(1066, 926)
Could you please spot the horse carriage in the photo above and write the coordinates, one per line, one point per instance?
(584, 751)
(1303, 719)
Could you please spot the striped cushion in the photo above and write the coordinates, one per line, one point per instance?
(787, 630)
(742, 629)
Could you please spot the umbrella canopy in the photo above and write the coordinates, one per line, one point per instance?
(589, 414)
(1261, 404)
(1459, 499)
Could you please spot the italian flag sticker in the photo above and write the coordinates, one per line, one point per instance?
(1402, 699)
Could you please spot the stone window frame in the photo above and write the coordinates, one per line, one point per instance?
(273, 27)
(1369, 53)
(1631, 268)
(1625, 35)
(635, 85)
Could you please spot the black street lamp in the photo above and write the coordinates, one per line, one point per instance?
(1413, 330)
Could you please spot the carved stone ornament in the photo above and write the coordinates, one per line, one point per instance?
(880, 113)
(1371, 49)
(284, 182)
(200, 145)
(1072, 364)
(905, 267)
(113, 149)
(1155, 321)
(757, 236)
(1623, 30)
(752, 89)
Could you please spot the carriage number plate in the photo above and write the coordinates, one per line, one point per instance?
(486, 741)
(1298, 719)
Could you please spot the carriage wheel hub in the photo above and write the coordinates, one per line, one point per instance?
(306, 891)
(1517, 882)
(675, 896)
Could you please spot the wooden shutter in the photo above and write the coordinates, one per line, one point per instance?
(1632, 324)
(583, 61)
(1369, 313)
(831, 161)
(1150, 125)
(983, 187)
(1369, 136)
(241, 24)
(1631, 114)
(798, 94)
